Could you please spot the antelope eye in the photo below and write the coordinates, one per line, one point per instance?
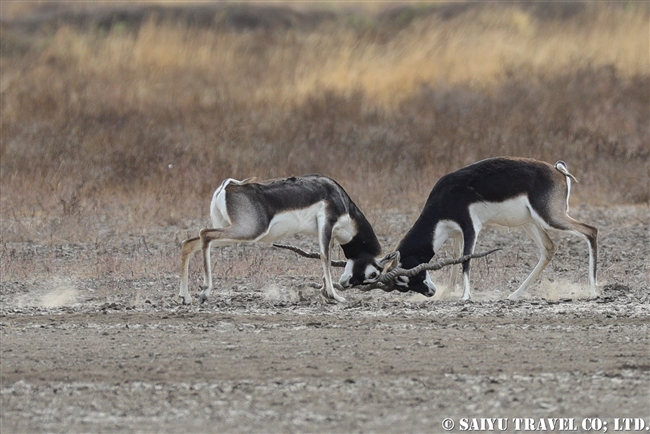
(373, 275)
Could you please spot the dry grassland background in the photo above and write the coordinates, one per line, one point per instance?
(119, 119)
(129, 115)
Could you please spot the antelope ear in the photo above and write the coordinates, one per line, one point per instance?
(389, 261)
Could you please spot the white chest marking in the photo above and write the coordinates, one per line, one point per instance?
(344, 229)
(445, 229)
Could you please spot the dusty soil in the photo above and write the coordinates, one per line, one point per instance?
(94, 340)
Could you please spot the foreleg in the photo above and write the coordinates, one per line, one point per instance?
(469, 241)
(457, 253)
(325, 247)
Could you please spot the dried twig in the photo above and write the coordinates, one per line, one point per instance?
(386, 282)
(312, 255)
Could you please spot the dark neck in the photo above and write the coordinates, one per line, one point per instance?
(417, 245)
(365, 241)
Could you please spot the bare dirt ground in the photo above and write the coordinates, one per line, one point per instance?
(94, 340)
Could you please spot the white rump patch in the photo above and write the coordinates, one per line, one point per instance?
(218, 208)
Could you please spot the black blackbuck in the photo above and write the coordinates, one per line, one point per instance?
(249, 211)
(512, 192)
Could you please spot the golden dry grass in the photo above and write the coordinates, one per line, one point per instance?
(136, 124)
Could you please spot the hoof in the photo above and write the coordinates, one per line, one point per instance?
(332, 300)
(204, 294)
(595, 294)
(186, 300)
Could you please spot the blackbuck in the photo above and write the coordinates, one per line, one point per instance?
(511, 192)
(249, 211)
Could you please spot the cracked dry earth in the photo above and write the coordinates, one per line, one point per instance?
(92, 342)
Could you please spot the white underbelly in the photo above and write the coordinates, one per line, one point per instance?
(287, 223)
(512, 212)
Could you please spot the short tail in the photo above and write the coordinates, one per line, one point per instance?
(563, 169)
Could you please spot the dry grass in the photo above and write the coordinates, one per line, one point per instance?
(133, 125)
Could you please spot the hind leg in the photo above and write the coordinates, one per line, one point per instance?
(188, 248)
(590, 235)
(546, 251)
(221, 237)
(325, 247)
